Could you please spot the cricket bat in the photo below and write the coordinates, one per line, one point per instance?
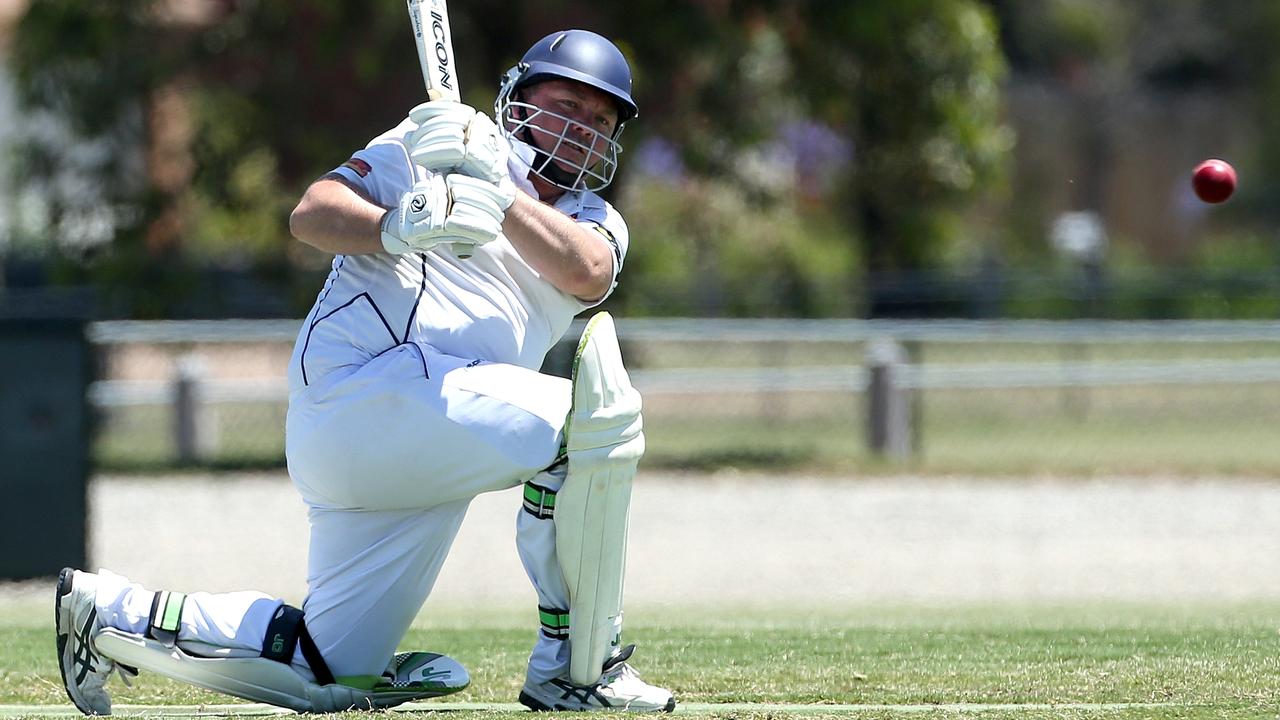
(431, 34)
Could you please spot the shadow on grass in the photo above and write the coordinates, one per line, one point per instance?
(742, 458)
(733, 457)
(170, 467)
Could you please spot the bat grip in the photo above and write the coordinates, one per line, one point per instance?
(462, 252)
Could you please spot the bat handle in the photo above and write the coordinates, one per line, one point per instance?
(462, 251)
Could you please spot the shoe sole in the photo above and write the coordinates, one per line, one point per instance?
(63, 628)
(533, 703)
(537, 705)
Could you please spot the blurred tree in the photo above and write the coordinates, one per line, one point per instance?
(1108, 53)
(192, 128)
(786, 151)
(80, 73)
(917, 85)
(748, 91)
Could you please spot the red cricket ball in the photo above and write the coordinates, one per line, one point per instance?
(1214, 180)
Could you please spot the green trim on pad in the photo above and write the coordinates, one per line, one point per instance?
(582, 344)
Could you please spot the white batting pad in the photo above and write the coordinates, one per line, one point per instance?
(604, 441)
(267, 681)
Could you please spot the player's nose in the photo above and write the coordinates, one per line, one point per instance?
(581, 126)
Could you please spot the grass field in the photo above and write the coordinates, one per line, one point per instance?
(1186, 431)
(1120, 661)
(1174, 658)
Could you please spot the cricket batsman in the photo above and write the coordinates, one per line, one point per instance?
(464, 246)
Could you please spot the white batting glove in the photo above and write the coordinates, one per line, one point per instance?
(454, 209)
(452, 137)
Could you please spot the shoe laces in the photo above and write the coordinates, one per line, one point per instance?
(619, 674)
(105, 666)
(616, 668)
(99, 665)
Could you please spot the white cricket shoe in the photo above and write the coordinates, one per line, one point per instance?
(84, 671)
(619, 688)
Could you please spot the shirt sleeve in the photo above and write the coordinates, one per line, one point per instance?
(609, 225)
(383, 170)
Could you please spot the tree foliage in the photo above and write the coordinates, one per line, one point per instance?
(794, 145)
(271, 94)
(917, 85)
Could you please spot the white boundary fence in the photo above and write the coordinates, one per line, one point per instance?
(884, 374)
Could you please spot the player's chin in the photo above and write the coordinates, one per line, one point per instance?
(572, 166)
(573, 160)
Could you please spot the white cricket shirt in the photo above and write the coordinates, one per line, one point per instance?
(491, 307)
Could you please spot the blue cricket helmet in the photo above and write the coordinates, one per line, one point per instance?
(583, 56)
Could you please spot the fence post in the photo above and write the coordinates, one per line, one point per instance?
(192, 430)
(888, 402)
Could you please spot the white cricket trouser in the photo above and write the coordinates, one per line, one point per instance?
(388, 458)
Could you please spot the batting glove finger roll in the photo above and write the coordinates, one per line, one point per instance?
(480, 203)
(442, 209)
(452, 137)
(439, 142)
(416, 224)
(460, 113)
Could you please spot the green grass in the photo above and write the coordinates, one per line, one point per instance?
(1180, 431)
(1197, 662)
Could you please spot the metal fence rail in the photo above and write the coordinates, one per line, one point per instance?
(883, 377)
(952, 331)
(984, 376)
(172, 332)
(133, 393)
(762, 330)
(847, 377)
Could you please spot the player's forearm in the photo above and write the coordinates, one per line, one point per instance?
(568, 256)
(334, 218)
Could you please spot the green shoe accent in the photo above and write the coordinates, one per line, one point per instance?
(416, 674)
(360, 682)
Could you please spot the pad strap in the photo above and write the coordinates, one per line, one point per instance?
(539, 501)
(555, 622)
(166, 616)
(622, 656)
(286, 632)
